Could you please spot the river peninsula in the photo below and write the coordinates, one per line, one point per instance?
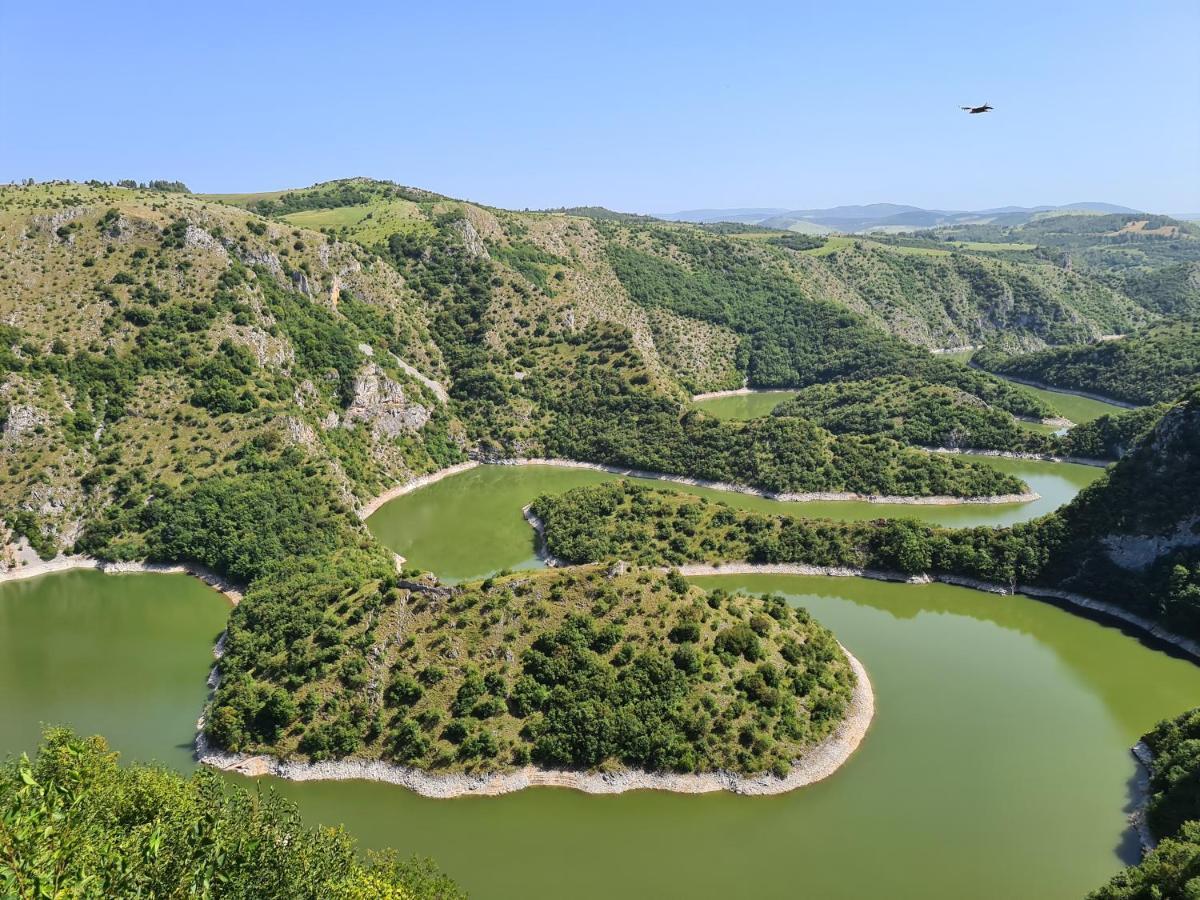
(602, 679)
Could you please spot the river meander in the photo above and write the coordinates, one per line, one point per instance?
(470, 525)
(761, 403)
(997, 765)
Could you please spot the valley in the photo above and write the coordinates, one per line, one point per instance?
(344, 401)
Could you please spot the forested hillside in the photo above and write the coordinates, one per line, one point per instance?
(186, 380)
(1149, 366)
(1152, 260)
(151, 340)
(950, 298)
(921, 414)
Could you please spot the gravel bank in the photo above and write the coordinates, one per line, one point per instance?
(372, 505)
(1009, 454)
(65, 563)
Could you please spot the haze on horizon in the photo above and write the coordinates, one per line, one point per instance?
(682, 106)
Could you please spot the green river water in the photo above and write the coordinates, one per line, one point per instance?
(760, 403)
(743, 406)
(470, 525)
(997, 765)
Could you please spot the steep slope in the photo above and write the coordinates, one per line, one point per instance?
(1134, 536)
(153, 340)
(954, 299)
(1156, 364)
(147, 339)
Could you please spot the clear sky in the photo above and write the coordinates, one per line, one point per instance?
(641, 106)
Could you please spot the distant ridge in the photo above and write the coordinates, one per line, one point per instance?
(880, 216)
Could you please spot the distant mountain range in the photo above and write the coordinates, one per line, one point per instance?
(880, 216)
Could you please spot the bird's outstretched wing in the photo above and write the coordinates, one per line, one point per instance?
(968, 108)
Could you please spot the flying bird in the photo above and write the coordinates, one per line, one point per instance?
(974, 110)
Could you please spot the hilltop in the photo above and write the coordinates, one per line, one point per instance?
(879, 216)
(934, 295)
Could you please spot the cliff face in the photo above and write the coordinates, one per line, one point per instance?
(1133, 537)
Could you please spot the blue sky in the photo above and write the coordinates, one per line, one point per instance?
(647, 106)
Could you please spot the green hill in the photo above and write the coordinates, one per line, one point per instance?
(151, 338)
(1149, 366)
(605, 671)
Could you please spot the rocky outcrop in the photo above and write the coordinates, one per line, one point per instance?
(22, 419)
(197, 238)
(1137, 552)
(438, 389)
(382, 403)
(471, 240)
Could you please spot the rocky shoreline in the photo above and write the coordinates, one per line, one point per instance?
(219, 583)
(1141, 796)
(1012, 454)
(372, 506)
(817, 764)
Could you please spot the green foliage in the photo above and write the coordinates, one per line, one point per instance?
(222, 383)
(1111, 436)
(335, 194)
(457, 287)
(1174, 774)
(1127, 538)
(794, 241)
(325, 350)
(75, 824)
(1169, 872)
(565, 669)
(26, 524)
(528, 259)
(1172, 870)
(913, 412)
(789, 339)
(1172, 290)
(621, 520)
(240, 525)
(606, 417)
(1150, 366)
